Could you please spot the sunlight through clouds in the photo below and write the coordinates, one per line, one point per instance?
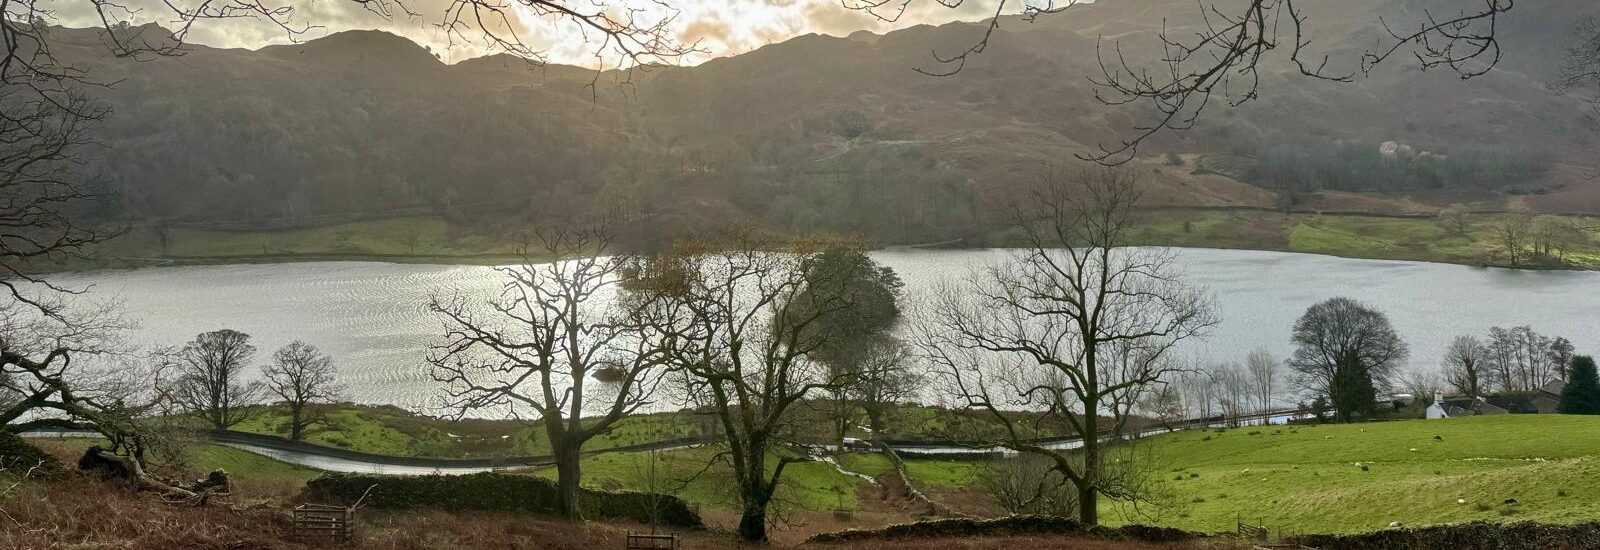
(719, 27)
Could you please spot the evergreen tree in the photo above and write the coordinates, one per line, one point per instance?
(1582, 394)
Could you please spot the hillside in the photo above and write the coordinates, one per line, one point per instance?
(1360, 477)
(816, 133)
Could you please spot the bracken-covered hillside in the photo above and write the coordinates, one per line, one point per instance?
(823, 132)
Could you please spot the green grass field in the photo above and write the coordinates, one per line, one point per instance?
(692, 474)
(205, 457)
(394, 431)
(1312, 479)
(1322, 479)
(431, 239)
(1352, 236)
(397, 432)
(422, 238)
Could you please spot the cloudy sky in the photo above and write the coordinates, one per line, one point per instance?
(721, 27)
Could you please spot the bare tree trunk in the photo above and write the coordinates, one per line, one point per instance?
(753, 525)
(875, 421)
(568, 470)
(296, 422)
(754, 496)
(1088, 486)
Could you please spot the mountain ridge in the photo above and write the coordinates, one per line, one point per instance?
(814, 133)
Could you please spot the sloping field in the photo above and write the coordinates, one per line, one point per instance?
(1362, 477)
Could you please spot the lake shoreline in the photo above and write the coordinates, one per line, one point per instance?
(432, 240)
(495, 259)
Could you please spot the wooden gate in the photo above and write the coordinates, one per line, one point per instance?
(321, 521)
(652, 542)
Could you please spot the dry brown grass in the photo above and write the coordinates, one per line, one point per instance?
(1029, 543)
(83, 513)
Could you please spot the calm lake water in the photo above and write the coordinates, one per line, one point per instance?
(372, 318)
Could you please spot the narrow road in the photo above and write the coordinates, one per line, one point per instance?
(341, 460)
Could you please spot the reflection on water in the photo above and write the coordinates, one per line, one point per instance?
(372, 317)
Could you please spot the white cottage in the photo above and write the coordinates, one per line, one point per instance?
(1436, 410)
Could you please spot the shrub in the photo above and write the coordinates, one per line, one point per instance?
(497, 492)
(1582, 393)
(1006, 526)
(17, 455)
(1477, 535)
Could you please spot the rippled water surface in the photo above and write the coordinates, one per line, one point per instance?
(371, 316)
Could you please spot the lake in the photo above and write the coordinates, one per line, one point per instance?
(372, 317)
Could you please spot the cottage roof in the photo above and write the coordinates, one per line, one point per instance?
(1553, 387)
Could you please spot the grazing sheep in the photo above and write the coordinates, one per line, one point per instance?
(1461, 501)
(1396, 525)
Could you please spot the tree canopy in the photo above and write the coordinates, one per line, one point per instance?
(1582, 392)
(1346, 351)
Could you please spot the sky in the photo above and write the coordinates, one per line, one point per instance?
(720, 27)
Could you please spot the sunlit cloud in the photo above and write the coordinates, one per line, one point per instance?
(719, 27)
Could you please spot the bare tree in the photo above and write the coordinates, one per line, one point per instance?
(1513, 234)
(1263, 369)
(727, 308)
(1028, 484)
(1346, 352)
(1465, 366)
(1221, 61)
(37, 351)
(1199, 391)
(1165, 404)
(75, 365)
(1074, 326)
(302, 377)
(1422, 385)
(555, 341)
(1561, 354)
(210, 383)
(45, 205)
(1453, 219)
(885, 378)
(1520, 359)
(1236, 391)
(1582, 64)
